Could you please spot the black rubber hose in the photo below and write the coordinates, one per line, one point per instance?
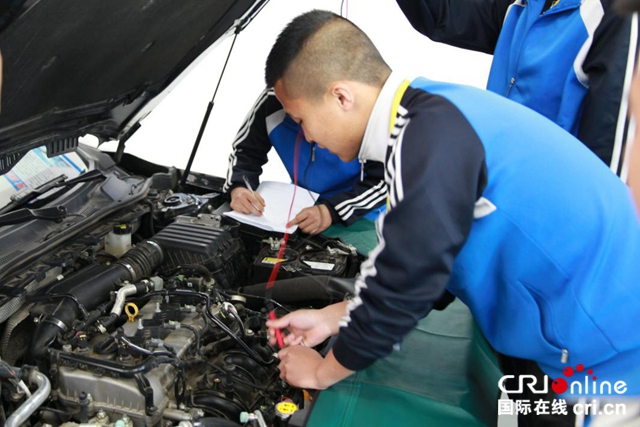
(143, 259)
(91, 286)
(301, 289)
(94, 315)
(293, 290)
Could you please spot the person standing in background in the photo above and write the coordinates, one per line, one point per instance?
(632, 7)
(570, 60)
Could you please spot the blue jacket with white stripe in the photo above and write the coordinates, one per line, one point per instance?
(351, 190)
(511, 214)
(566, 59)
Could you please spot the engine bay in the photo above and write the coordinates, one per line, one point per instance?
(154, 314)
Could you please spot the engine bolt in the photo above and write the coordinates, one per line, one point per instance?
(127, 421)
(101, 417)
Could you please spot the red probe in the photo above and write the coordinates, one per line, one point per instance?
(272, 278)
(276, 267)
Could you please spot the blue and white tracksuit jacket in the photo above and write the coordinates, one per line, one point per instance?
(511, 214)
(351, 190)
(569, 60)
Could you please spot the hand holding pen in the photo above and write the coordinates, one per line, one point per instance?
(247, 201)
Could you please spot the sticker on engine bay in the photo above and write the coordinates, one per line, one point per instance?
(271, 260)
(320, 265)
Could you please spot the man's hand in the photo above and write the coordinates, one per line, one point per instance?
(308, 327)
(298, 366)
(246, 201)
(304, 368)
(312, 220)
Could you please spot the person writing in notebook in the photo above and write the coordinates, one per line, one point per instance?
(347, 191)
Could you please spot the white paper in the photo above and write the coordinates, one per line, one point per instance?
(277, 197)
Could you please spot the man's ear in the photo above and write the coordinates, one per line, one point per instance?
(343, 95)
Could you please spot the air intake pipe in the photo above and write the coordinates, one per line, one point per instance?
(85, 290)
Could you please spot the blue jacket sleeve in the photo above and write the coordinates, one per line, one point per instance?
(432, 201)
(252, 144)
(467, 24)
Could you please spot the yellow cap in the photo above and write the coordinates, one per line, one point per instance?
(286, 408)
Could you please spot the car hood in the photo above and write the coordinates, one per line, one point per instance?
(93, 66)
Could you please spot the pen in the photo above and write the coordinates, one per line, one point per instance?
(248, 184)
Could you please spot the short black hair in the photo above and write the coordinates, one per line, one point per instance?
(320, 47)
(291, 40)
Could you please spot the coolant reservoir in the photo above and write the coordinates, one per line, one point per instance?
(118, 241)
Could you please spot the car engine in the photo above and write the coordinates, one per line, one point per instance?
(155, 316)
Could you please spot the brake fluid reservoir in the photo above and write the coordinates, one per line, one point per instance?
(118, 241)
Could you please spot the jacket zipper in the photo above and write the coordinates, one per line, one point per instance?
(546, 12)
(511, 83)
(362, 162)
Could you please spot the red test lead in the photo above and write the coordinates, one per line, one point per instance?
(276, 267)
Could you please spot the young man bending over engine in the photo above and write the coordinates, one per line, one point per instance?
(488, 200)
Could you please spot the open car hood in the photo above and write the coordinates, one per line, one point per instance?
(92, 66)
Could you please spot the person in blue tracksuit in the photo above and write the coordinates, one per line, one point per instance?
(347, 191)
(570, 60)
(488, 199)
(633, 7)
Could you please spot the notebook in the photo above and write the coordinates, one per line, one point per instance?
(277, 197)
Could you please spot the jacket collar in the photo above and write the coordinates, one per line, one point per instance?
(376, 136)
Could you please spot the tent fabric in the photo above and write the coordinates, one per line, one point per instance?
(445, 373)
(361, 234)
